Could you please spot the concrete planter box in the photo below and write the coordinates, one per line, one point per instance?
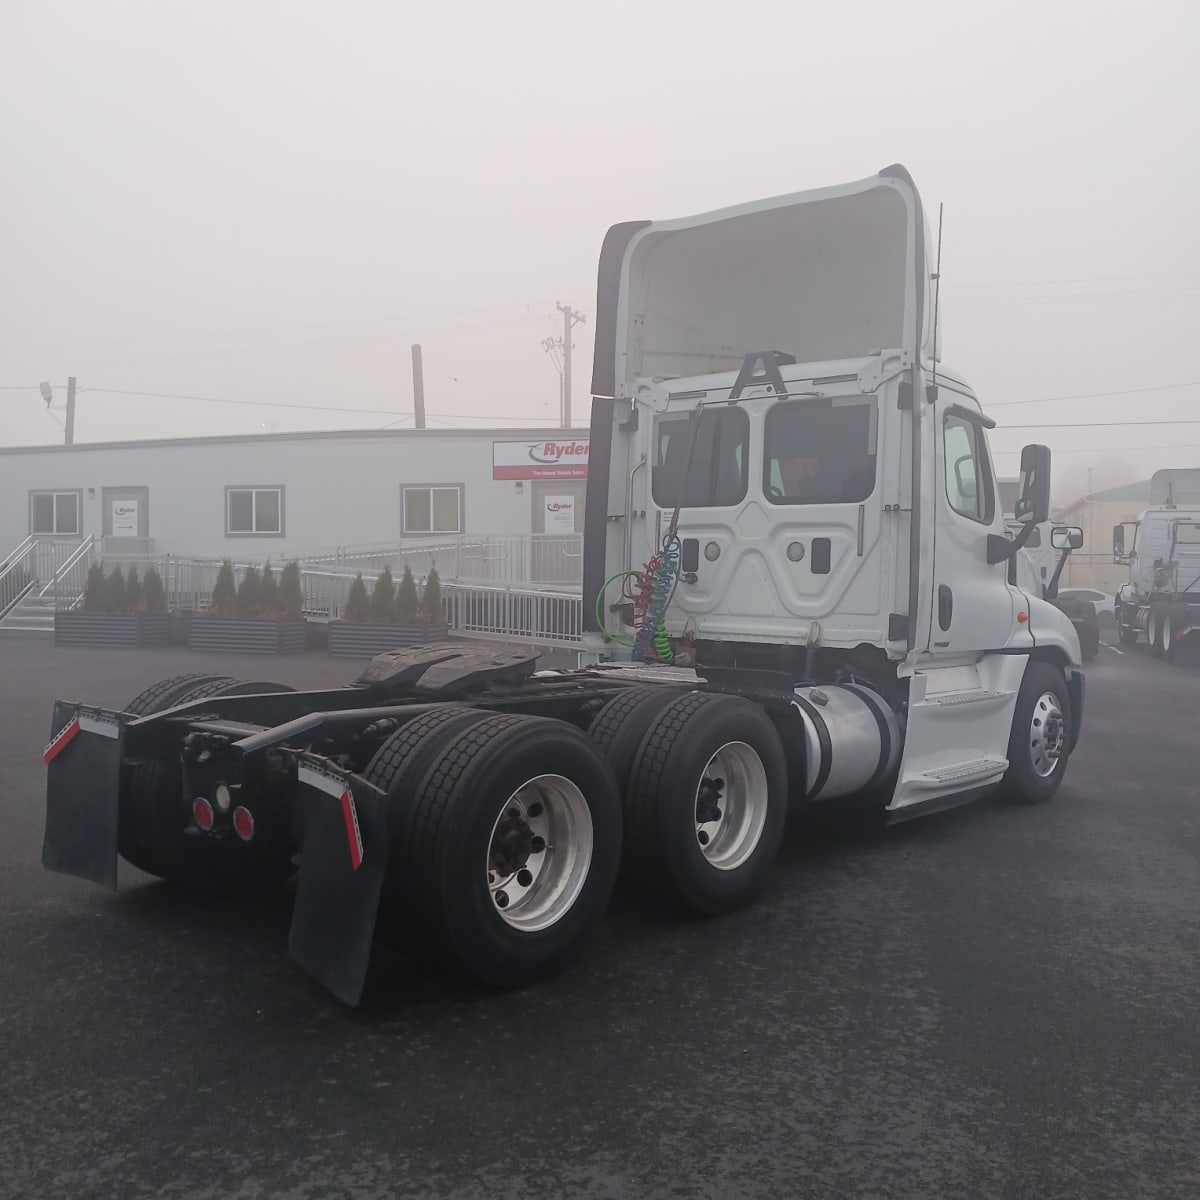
(348, 639)
(125, 631)
(247, 635)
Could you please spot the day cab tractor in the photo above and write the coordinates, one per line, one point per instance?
(798, 590)
(1160, 603)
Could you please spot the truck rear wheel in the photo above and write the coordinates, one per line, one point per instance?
(1168, 628)
(1155, 624)
(621, 726)
(706, 803)
(509, 849)
(1041, 729)
(153, 816)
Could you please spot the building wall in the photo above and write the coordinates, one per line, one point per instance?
(1092, 565)
(338, 489)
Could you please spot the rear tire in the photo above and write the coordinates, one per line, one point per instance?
(1037, 745)
(153, 817)
(1155, 624)
(1127, 632)
(622, 724)
(476, 891)
(706, 803)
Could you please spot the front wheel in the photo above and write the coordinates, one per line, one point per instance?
(1038, 745)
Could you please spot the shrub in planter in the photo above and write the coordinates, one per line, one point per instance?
(432, 610)
(116, 598)
(248, 594)
(408, 603)
(154, 595)
(95, 590)
(383, 599)
(268, 592)
(133, 591)
(358, 603)
(291, 595)
(223, 602)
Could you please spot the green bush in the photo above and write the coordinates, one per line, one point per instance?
(358, 604)
(431, 599)
(291, 595)
(133, 591)
(248, 593)
(268, 592)
(408, 603)
(223, 602)
(95, 590)
(154, 595)
(383, 599)
(116, 597)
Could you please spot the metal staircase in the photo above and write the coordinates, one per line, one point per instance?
(39, 576)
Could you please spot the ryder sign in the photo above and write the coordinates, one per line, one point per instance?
(561, 458)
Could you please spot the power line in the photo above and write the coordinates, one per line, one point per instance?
(1103, 424)
(1087, 279)
(1162, 387)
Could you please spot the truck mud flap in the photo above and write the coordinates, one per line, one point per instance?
(83, 783)
(343, 859)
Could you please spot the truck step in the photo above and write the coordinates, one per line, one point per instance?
(966, 772)
(972, 696)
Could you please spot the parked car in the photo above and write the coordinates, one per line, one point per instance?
(1106, 605)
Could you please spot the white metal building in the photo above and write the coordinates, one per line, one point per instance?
(293, 495)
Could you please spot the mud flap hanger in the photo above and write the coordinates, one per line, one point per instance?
(343, 860)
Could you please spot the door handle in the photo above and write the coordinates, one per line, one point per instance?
(945, 607)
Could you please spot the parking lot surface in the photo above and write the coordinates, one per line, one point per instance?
(991, 1002)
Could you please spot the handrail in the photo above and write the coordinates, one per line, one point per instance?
(17, 556)
(83, 549)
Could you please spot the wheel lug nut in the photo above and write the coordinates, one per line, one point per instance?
(702, 837)
(501, 899)
(524, 877)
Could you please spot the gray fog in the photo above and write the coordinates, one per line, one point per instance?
(265, 204)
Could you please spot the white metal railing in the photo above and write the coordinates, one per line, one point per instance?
(516, 614)
(505, 558)
(36, 561)
(67, 584)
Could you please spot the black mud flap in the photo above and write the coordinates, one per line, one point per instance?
(83, 782)
(343, 859)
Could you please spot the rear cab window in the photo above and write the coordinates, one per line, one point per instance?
(702, 460)
(820, 451)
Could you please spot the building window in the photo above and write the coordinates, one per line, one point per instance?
(432, 509)
(254, 512)
(54, 513)
(969, 486)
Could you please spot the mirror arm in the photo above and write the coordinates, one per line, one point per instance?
(1001, 549)
(1051, 590)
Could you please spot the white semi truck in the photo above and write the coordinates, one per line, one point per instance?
(799, 590)
(1160, 603)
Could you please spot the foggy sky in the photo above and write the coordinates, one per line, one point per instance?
(270, 201)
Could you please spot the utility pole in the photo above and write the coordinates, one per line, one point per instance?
(571, 318)
(71, 410)
(418, 389)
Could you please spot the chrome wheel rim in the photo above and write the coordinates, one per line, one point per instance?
(1166, 633)
(1046, 735)
(731, 806)
(539, 853)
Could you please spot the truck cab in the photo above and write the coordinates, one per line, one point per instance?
(776, 440)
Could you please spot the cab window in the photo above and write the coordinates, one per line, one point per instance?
(820, 451)
(969, 487)
(701, 460)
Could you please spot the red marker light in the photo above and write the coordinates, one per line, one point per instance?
(243, 823)
(202, 814)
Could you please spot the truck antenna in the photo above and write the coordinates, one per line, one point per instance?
(937, 294)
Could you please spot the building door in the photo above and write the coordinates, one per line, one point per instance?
(557, 553)
(125, 516)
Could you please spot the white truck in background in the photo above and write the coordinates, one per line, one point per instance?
(1160, 603)
(798, 589)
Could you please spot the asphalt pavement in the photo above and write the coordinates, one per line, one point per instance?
(994, 1002)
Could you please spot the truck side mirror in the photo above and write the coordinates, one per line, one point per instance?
(1033, 502)
(1066, 537)
(1118, 543)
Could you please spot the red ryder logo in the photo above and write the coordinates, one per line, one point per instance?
(565, 458)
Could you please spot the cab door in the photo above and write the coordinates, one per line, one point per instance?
(974, 608)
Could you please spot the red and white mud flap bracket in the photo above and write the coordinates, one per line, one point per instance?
(83, 784)
(343, 859)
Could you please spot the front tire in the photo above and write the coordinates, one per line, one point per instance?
(1038, 744)
(706, 803)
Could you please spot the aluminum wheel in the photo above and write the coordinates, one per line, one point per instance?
(1046, 735)
(1165, 633)
(540, 852)
(731, 806)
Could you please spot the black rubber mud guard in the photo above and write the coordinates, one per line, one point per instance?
(343, 859)
(1075, 689)
(83, 782)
